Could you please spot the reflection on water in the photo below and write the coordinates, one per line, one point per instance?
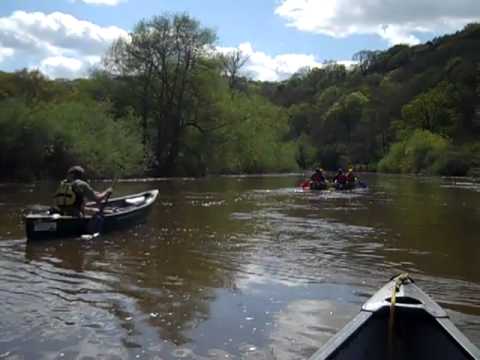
(246, 267)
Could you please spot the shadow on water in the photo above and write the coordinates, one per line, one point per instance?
(238, 267)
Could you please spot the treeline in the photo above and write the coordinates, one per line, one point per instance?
(165, 103)
(408, 109)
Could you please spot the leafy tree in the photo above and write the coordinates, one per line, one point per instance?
(233, 62)
(434, 110)
(348, 111)
(163, 54)
(416, 153)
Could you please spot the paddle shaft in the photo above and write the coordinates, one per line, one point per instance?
(97, 220)
(104, 202)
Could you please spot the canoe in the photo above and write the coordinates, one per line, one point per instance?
(399, 322)
(350, 186)
(318, 185)
(118, 213)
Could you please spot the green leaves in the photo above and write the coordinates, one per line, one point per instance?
(47, 139)
(434, 110)
(414, 154)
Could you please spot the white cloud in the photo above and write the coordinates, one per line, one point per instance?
(56, 43)
(61, 67)
(67, 67)
(5, 52)
(263, 67)
(101, 2)
(395, 21)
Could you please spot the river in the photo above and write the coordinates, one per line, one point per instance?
(234, 268)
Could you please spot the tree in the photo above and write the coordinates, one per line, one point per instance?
(348, 111)
(365, 59)
(434, 110)
(163, 54)
(232, 63)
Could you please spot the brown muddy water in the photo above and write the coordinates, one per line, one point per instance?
(234, 268)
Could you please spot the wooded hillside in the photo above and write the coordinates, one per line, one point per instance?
(166, 104)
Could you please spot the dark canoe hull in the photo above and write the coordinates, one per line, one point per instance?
(421, 330)
(337, 187)
(349, 186)
(119, 213)
(318, 186)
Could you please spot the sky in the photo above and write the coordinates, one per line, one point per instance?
(66, 38)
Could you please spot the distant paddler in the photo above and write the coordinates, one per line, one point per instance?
(318, 180)
(351, 178)
(340, 180)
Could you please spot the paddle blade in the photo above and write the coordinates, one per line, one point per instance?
(362, 184)
(95, 224)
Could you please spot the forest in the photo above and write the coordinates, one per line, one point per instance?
(165, 103)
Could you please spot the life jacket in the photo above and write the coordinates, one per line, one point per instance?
(340, 179)
(318, 177)
(67, 197)
(350, 177)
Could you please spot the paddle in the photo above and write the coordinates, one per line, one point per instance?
(362, 184)
(97, 220)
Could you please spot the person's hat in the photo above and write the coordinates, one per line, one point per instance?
(340, 170)
(76, 170)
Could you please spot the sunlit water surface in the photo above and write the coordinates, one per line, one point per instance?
(234, 267)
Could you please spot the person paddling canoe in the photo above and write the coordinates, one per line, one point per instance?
(73, 193)
(317, 180)
(340, 180)
(351, 179)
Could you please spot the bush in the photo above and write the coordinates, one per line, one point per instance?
(85, 133)
(416, 153)
(45, 140)
(25, 142)
(305, 153)
(452, 163)
(253, 141)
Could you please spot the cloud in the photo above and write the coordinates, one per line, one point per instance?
(101, 2)
(67, 67)
(54, 42)
(261, 66)
(393, 20)
(5, 52)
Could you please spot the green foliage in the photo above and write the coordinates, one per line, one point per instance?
(253, 140)
(306, 152)
(434, 110)
(47, 139)
(85, 133)
(417, 152)
(385, 98)
(24, 141)
(162, 56)
(451, 163)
